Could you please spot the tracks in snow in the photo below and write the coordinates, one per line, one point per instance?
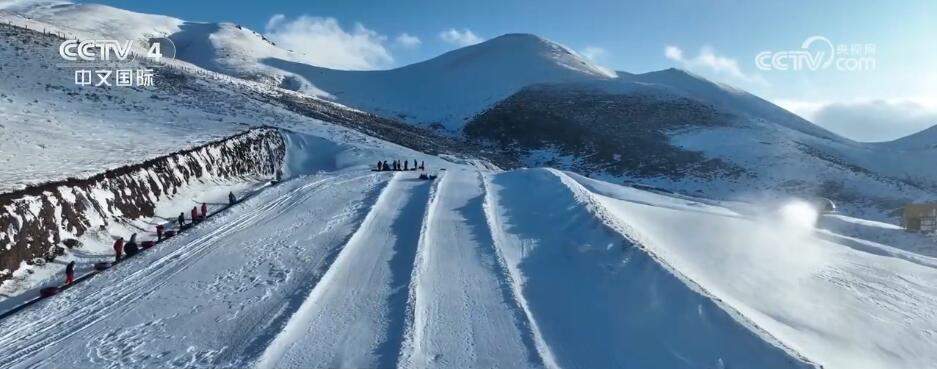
(419, 284)
(355, 315)
(510, 270)
(82, 313)
(465, 313)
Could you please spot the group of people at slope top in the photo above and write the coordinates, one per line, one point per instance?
(398, 165)
(131, 248)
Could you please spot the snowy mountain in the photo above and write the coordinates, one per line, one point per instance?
(340, 266)
(920, 141)
(677, 131)
(450, 89)
(446, 90)
(222, 47)
(770, 150)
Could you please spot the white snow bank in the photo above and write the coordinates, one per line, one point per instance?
(837, 305)
(597, 300)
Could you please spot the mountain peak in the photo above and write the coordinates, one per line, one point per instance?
(525, 50)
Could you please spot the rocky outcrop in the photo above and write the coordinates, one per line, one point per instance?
(622, 134)
(37, 221)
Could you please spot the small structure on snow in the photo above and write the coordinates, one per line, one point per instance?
(920, 217)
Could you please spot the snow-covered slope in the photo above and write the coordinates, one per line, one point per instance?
(446, 90)
(53, 129)
(840, 305)
(694, 136)
(340, 266)
(923, 140)
(727, 98)
(222, 47)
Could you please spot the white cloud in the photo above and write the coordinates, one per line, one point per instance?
(868, 120)
(275, 21)
(593, 53)
(460, 38)
(708, 61)
(673, 53)
(326, 44)
(408, 41)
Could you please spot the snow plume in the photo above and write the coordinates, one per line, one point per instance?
(460, 38)
(798, 215)
(597, 55)
(328, 45)
(593, 53)
(708, 61)
(784, 232)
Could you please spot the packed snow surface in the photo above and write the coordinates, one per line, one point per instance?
(339, 266)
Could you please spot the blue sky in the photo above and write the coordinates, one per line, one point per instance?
(716, 39)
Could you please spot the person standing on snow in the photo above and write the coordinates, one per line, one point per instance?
(118, 248)
(406, 165)
(194, 214)
(386, 166)
(159, 232)
(70, 273)
(204, 210)
(231, 198)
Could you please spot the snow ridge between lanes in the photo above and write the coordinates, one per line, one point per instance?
(494, 224)
(412, 330)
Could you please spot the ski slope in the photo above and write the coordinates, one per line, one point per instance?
(339, 266)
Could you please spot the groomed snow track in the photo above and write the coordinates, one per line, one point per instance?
(363, 269)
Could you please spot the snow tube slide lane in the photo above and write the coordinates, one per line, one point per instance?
(464, 313)
(599, 301)
(356, 314)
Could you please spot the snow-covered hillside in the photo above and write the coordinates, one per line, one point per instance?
(695, 136)
(446, 90)
(53, 129)
(343, 267)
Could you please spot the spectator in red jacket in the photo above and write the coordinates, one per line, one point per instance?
(194, 213)
(70, 273)
(118, 248)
